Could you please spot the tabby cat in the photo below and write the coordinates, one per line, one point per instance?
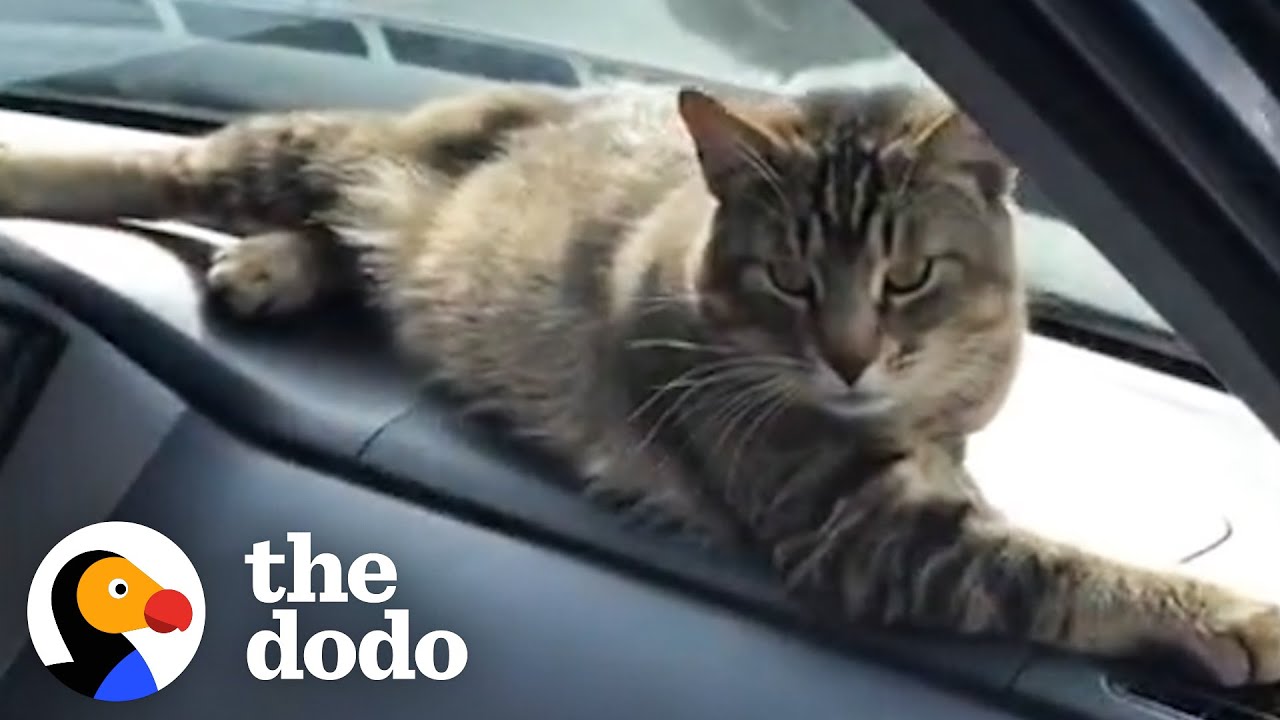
(772, 321)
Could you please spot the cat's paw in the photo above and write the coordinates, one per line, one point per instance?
(269, 274)
(1238, 642)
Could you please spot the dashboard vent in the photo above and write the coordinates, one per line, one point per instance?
(1187, 701)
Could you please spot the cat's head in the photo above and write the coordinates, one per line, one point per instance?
(863, 244)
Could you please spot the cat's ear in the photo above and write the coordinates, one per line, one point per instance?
(727, 144)
(960, 145)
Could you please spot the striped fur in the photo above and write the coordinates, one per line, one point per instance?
(769, 322)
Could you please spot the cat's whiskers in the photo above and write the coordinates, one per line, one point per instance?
(675, 411)
(737, 403)
(666, 299)
(747, 401)
(744, 368)
(718, 373)
(645, 307)
(697, 375)
(783, 394)
(767, 365)
(677, 344)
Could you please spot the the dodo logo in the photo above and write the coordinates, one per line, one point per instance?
(116, 611)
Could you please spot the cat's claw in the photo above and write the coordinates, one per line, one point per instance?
(1239, 643)
(269, 274)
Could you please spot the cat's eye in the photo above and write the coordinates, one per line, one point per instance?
(791, 277)
(908, 278)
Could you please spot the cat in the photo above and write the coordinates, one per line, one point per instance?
(770, 320)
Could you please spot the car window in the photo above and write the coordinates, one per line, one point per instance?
(228, 22)
(102, 13)
(342, 53)
(472, 56)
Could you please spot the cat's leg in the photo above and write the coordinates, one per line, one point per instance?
(894, 552)
(280, 180)
(264, 178)
(262, 173)
(265, 172)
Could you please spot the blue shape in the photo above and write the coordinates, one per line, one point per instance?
(130, 679)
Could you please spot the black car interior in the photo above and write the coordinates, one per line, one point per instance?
(122, 396)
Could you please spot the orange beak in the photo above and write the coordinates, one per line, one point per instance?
(167, 610)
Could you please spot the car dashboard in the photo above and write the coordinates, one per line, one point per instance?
(123, 397)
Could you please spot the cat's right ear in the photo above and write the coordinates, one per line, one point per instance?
(727, 145)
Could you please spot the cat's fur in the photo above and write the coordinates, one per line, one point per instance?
(712, 309)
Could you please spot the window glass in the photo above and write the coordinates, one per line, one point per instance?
(94, 13)
(487, 59)
(227, 22)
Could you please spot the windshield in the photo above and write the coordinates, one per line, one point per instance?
(212, 59)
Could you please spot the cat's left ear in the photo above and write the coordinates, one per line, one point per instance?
(959, 145)
(727, 144)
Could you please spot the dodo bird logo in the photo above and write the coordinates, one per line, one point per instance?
(116, 611)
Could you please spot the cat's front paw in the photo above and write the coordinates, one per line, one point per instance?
(268, 274)
(1238, 641)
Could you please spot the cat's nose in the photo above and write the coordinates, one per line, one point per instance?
(846, 364)
(851, 356)
(850, 369)
(850, 340)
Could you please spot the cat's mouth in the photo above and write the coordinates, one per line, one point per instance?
(858, 405)
(865, 399)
